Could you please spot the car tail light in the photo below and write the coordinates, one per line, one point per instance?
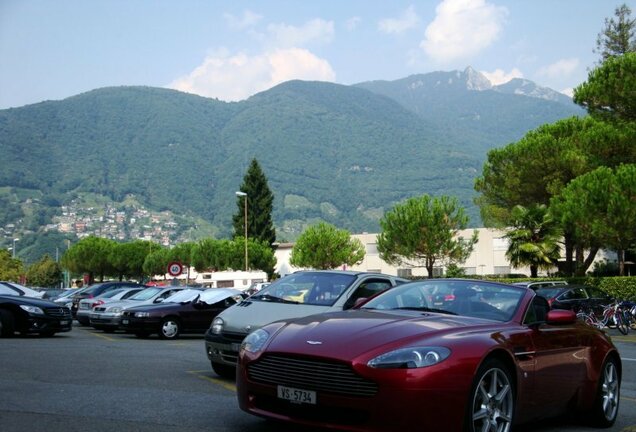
(550, 301)
(449, 297)
(97, 303)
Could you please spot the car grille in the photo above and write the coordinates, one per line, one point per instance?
(59, 312)
(234, 337)
(99, 309)
(310, 374)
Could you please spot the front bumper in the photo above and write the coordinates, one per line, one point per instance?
(223, 348)
(148, 325)
(105, 320)
(47, 324)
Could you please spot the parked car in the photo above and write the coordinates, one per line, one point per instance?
(494, 357)
(107, 317)
(188, 311)
(12, 288)
(86, 305)
(66, 298)
(99, 288)
(540, 284)
(575, 297)
(296, 295)
(26, 314)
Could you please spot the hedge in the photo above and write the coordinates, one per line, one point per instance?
(620, 287)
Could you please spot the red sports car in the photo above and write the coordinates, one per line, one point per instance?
(435, 355)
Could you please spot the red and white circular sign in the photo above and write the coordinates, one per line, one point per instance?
(175, 268)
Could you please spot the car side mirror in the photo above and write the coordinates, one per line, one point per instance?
(560, 317)
(158, 300)
(359, 301)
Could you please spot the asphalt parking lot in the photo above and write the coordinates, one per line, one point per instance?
(89, 380)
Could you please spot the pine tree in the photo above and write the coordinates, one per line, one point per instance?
(619, 35)
(259, 205)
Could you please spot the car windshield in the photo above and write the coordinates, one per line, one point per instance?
(91, 289)
(112, 293)
(146, 294)
(455, 297)
(183, 296)
(314, 288)
(549, 292)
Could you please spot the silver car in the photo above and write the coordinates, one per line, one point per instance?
(107, 317)
(86, 305)
(294, 296)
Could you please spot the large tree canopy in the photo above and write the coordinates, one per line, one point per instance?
(424, 230)
(323, 247)
(610, 90)
(619, 35)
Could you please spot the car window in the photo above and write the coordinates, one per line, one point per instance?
(146, 294)
(596, 293)
(368, 288)
(316, 288)
(6, 290)
(537, 311)
(469, 298)
(573, 294)
(130, 293)
(168, 293)
(111, 294)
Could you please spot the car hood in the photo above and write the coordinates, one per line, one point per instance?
(252, 314)
(31, 301)
(349, 334)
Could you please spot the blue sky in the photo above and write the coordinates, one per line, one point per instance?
(53, 49)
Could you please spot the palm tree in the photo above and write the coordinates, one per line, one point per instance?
(534, 238)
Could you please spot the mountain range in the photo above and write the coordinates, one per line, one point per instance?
(340, 153)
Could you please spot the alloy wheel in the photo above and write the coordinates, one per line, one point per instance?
(493, 404)
(609, 391)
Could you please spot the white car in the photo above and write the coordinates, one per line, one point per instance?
(13, 288)
(86, 305)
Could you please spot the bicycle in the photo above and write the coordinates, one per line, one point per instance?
(613, 316)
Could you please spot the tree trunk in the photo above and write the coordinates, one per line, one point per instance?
(569, 255)
(589, 259)
(621, 262)
(534, 271)
(579, 269)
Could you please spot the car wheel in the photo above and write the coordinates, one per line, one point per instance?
(170, 328)
(224, 371)
(7, 324)
(605, 408)
(491, 403)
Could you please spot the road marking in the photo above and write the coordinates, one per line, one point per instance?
(103, 336)
(224, 384)
(627, 359)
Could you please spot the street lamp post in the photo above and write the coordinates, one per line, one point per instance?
(244, 195)
(14, 240)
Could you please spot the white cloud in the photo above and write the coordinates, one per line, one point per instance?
(352, 23)
(499, 76)
(236, 77)
(462, 28)
(559, 69)
(406, 21)
(249, 19)
(314, 31)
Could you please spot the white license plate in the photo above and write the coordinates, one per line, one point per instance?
(297, 395)
(63, 322)
(124, 322)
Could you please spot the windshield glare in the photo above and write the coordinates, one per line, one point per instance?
(146, 294)
(313, 288)
(183, 296)
(468, 298)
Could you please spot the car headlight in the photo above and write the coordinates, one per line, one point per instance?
(410, 358)
(32, 309)
(217, 325)
(255, 341)
(142, 314)
(115, 310)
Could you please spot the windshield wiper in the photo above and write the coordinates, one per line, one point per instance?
(271, 298)
(426, 309)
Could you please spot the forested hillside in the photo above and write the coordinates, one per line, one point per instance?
(344, 154)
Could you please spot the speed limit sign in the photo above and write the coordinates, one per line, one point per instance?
(175, 268)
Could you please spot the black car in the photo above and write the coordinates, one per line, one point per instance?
(574, 297)
(188, 311)
(98, 289)
(30, 315)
